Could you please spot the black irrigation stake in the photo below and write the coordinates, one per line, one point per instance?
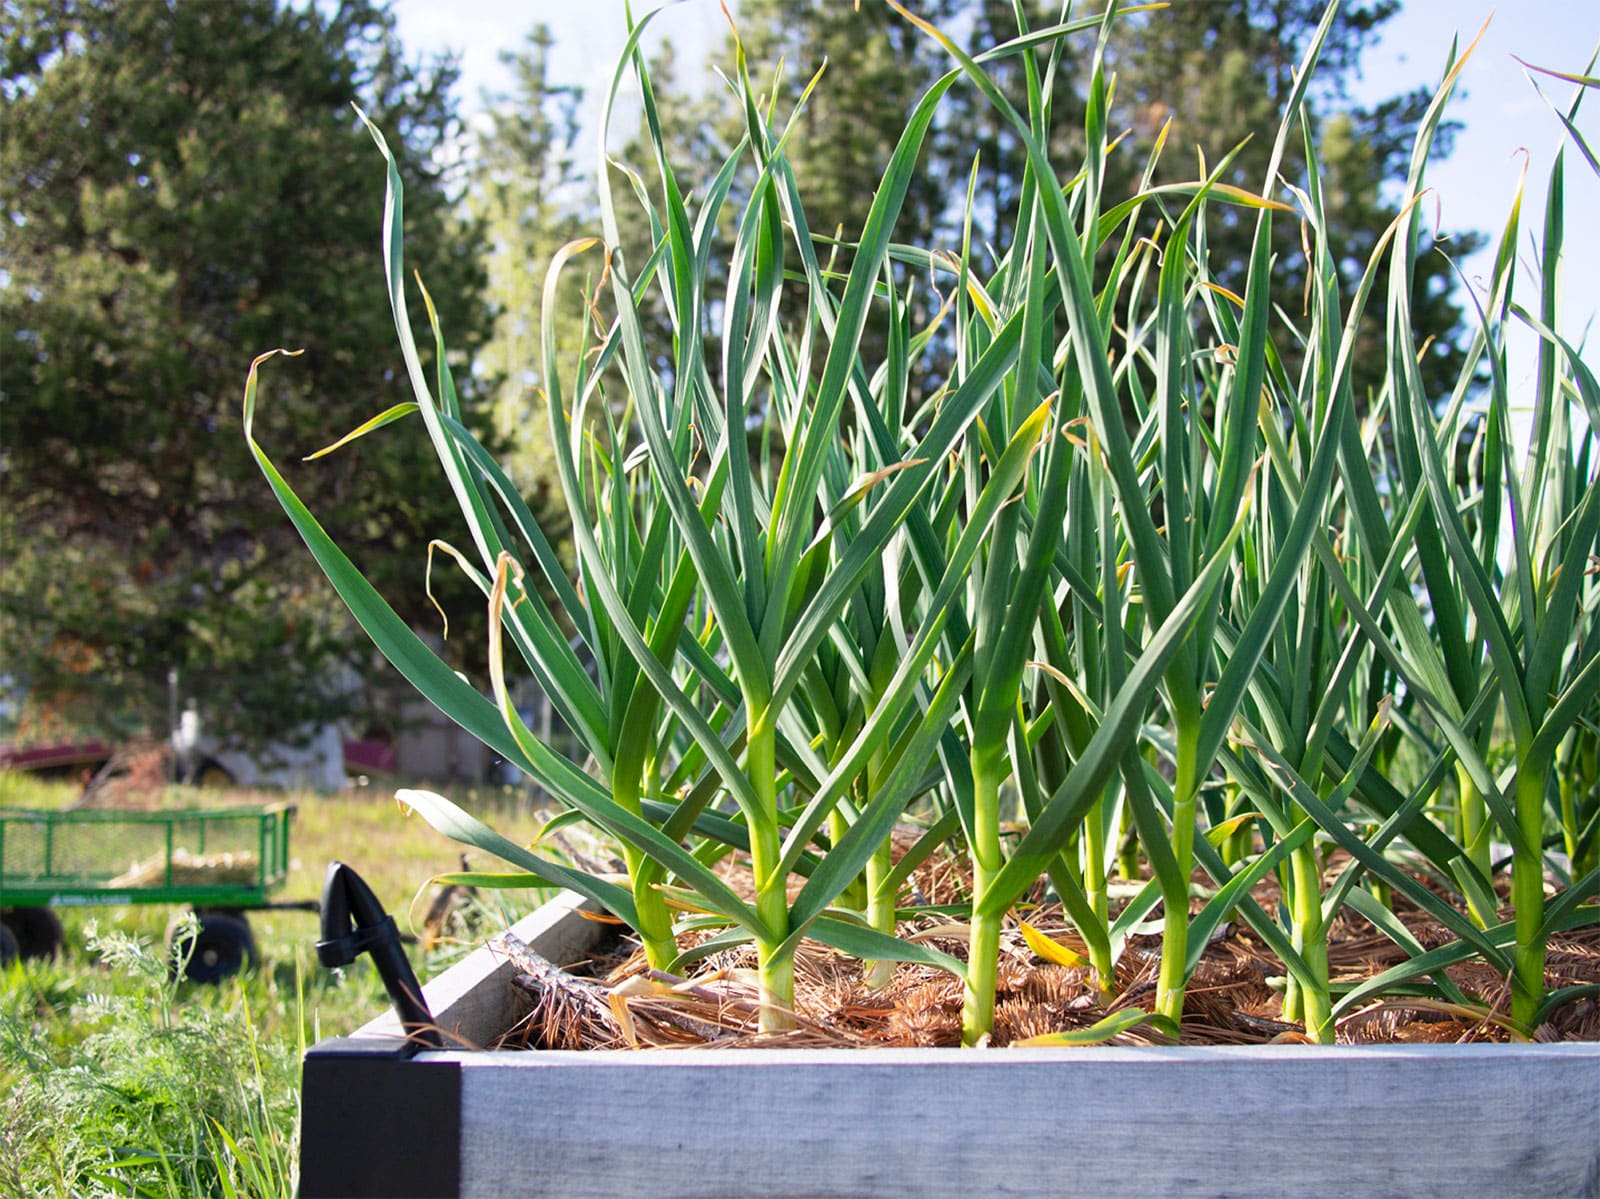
(353, 923)
(356, 1138)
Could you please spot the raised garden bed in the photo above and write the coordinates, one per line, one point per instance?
(383, 1119)
(1118, 564)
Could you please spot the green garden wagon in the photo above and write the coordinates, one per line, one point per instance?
(220, 862)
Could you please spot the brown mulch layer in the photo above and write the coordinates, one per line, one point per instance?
(1235, 997)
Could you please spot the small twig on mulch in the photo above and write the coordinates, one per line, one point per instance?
(568, 1012)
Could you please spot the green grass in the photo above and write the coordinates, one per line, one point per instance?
(123, 1081)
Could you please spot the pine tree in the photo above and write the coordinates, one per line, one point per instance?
(530, 195)
(184, 186)
(1220, 70)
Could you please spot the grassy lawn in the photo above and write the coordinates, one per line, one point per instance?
(117, 1075)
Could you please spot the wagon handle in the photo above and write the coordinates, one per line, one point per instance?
(353, 923)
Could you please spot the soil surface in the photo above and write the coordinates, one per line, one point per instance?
(1235, 997)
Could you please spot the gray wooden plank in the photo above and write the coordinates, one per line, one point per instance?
(1285, 1121)
(1281, 1120)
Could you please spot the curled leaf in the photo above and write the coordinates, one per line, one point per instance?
(387, 417)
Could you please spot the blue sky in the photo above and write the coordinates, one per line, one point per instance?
(1503, 117)
(1502, 113)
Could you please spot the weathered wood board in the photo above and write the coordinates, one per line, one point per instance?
(1287, 1121)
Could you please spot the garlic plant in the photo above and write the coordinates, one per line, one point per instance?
(1122, 568)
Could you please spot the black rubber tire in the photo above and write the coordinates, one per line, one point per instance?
(8, 947)
(37, 931)
(208, 772)
(222, 946)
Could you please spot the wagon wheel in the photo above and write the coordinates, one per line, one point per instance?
(220, 948)
(36, 932)
(208, 772)
(8, 946)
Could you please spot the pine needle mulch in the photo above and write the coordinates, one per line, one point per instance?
(615, 1000)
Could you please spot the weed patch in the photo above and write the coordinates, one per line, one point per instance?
(142, 1085)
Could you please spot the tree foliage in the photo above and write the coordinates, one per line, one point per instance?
(528, 193)
(184, 186)
(1220, 72)
(1205, 77)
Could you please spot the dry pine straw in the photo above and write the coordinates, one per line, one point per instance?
(186, 869)
(614, 1000)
